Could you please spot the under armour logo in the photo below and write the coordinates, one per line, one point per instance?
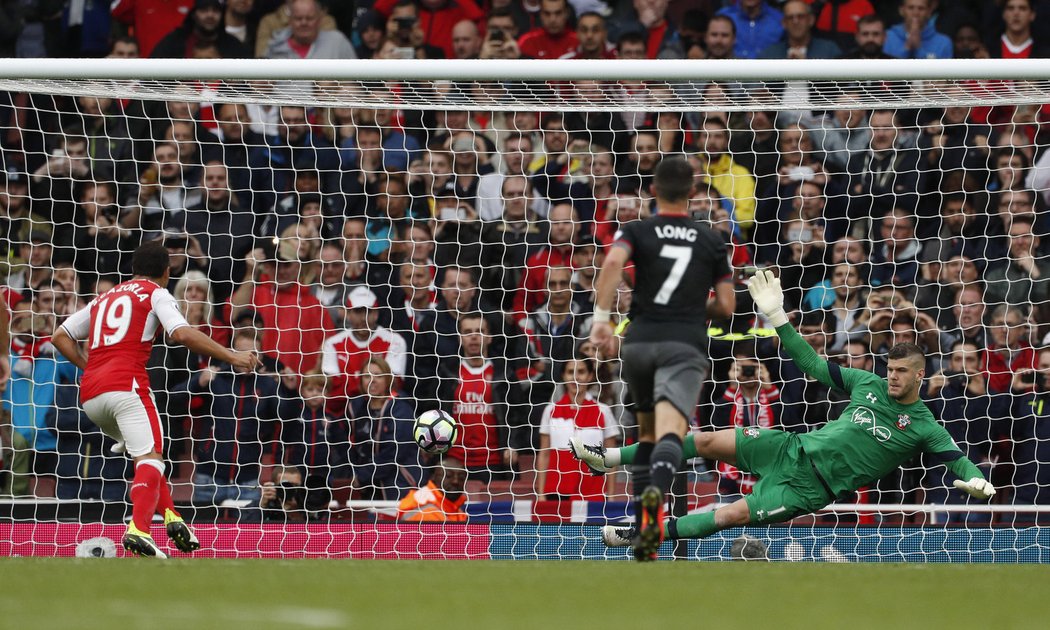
(761, 514)
(872, 397)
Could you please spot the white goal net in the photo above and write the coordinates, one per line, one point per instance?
(396, 237)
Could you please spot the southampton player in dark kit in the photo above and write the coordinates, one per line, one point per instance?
(677, 261)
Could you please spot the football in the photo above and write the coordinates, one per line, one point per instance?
(435, 431)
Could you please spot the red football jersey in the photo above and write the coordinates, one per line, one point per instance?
(592, 422)
(472, 408)
(120, 326)
(295, 325)
(538, 44)
(343, 357)
(151, 20)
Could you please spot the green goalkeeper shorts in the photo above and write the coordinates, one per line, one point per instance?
(787, 484)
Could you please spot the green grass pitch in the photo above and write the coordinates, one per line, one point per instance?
(424, 595)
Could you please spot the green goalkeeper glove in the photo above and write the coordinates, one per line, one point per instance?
(977, 488)
(768, 296)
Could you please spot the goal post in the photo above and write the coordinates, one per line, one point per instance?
(431, 205)
(1011, 80)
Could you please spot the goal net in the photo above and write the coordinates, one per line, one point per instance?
(400, 237)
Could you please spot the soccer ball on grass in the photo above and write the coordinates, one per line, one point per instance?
(435, 431)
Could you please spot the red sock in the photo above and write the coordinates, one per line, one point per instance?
(164, 501)
(145, 492)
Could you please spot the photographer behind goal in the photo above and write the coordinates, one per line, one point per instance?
(287, 499)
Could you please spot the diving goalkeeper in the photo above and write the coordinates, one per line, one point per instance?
(884, 425)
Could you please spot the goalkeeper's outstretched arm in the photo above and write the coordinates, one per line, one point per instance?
(970, 479)
(769, 300)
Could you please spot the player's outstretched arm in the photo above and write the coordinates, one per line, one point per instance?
(769, 300)
(942, 448)
(970, 480)
(200, 343)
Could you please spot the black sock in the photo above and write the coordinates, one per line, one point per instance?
(640, 469)
(667, 455)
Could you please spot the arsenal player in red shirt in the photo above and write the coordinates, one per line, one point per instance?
(120, 326)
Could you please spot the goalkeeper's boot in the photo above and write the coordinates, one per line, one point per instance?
(592, 456)
(180, 533)
(614, 536)
(140, 543)
(650, 525)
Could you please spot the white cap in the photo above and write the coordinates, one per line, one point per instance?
(362, 297)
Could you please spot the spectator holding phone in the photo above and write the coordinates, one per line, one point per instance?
(1030, 435)
(501, 36)
(416, 34)
(801, 257)
(750, 400)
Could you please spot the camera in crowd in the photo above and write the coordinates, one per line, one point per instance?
(1037, 378)
(289, 498)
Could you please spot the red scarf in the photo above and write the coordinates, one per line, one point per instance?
(757, 412)
(28, 351)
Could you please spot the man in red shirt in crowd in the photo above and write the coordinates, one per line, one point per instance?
(344, 354)
(295, 322)
(120, 326)
(557, 253)
(151, 20)
(593, 37)
(1017, 41)
(437, 18)
(553, 38)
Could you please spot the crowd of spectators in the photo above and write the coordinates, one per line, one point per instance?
(388, 261)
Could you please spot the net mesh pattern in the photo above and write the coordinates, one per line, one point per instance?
(413, 216)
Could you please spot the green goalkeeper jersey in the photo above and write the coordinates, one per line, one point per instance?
(874, 434)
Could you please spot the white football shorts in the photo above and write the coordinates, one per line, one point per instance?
(128, 416)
